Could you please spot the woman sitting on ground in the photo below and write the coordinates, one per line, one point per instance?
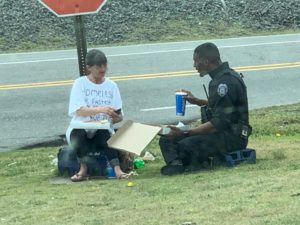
(93, 98)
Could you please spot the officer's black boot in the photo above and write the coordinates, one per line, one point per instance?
(173, 168)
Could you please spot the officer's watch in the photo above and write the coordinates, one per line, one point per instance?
(186, 133)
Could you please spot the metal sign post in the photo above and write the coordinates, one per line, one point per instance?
(81, 44)
(76, 8)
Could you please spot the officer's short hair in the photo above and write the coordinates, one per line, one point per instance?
(208, 51)
(95, 57)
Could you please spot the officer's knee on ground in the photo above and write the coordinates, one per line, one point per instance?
(163, 141)
(185, 145)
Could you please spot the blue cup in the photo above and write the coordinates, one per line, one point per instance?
(180, 103)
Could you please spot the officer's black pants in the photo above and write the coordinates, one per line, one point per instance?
(191, 150)
(83, 145)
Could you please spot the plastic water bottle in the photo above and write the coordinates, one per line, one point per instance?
(110, 171)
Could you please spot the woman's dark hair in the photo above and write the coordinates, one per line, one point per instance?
(208, 51)
(95, 57)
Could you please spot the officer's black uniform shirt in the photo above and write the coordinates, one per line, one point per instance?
(227, 99)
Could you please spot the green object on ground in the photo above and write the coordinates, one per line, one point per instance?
(139, 163)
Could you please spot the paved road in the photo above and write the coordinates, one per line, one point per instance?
(34, 87)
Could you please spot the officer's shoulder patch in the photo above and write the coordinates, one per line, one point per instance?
(222, 90)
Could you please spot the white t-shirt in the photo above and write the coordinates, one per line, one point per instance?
(85, 93)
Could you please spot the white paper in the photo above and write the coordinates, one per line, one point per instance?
(88, 126)
(166, 130)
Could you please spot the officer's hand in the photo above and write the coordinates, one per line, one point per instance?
(175, 132)
(190, 97)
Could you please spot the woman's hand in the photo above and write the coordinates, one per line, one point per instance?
(109, 111)
(92, 111)
(116, 115)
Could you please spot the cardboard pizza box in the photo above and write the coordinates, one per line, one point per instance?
(133, 137)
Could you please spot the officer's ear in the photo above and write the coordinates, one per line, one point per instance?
(206, 62)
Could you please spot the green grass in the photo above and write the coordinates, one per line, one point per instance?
(263, 193)
(155, 31)
(183, 30)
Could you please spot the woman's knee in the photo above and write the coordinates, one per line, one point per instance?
(78, 133)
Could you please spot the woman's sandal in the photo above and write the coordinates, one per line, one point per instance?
(79, 177)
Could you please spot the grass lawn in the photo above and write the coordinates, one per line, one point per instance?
(267, 192)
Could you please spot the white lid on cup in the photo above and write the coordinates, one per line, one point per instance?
(180, 93)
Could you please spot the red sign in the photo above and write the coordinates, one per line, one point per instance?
(73, 7)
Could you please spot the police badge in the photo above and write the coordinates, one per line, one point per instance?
(222, 90)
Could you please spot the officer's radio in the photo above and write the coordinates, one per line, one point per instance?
(205, 114)
(205, 111)
(241, 129)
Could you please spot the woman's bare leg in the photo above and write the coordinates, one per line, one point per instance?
(81, 175)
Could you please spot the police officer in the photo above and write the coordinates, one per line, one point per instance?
(227, 126)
